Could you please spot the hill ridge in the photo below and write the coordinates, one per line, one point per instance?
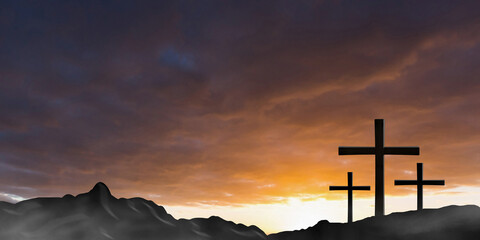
(97, 214)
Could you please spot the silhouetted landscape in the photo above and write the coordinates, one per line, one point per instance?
(452, 222)
(99, 215)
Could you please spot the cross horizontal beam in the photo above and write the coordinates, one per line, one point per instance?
(356, 150)
(401, 150)
(434, 182)
(334, 188)
(371, 150)
(424, 182)
(367, 188)
(406, 182)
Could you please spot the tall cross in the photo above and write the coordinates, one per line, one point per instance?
(350, 189)
(379, 151)
(420, 182)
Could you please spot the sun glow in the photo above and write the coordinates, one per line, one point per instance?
(296, 213)
(293, 215)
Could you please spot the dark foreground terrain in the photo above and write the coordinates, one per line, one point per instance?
(448, 223)
(99, 215)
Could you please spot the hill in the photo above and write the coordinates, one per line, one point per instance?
(448, 223)
(99, 215)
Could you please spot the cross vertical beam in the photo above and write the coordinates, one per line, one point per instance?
(350, 189)
(420, 182)
(419, 186)
(350, 197)
(379, 150)
(379, 168)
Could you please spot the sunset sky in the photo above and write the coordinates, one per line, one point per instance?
(237, 108)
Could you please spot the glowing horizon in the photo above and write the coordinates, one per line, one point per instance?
(301, 213)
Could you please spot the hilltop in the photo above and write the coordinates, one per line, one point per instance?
(447, 223)
(99, 215)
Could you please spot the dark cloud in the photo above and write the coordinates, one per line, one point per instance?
(191, 100)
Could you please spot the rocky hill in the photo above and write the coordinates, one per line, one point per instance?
(99, 215)
(448, 223)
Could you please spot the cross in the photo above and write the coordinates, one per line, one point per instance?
(420, 182)
(350, 189)
(379, 151)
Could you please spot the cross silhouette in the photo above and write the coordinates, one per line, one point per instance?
(379, 151)
(350, 189)
(420, 182)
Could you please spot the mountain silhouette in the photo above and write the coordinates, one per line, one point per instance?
(99, 215)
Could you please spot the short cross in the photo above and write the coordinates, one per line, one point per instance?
(350, 189)
(419, 182)
(379, 151)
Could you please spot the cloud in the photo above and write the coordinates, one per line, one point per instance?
(193, 100)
